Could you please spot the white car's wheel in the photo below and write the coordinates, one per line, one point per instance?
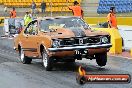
(23, 58)
(47, 62)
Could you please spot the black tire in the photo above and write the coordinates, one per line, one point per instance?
(47, 61)
(24, 59)
(101, 59)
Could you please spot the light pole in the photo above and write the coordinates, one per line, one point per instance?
(51, 8)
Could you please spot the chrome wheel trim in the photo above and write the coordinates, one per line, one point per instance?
(45, 59)
(22, 55)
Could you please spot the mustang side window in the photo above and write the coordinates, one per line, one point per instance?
(35, 28)
(32, 28)
(44, 25)
(28, 28)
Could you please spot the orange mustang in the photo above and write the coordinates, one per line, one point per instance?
(61, 39)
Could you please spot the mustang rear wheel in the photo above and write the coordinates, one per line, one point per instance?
(101, 59)
(23, 58)
(47, 61)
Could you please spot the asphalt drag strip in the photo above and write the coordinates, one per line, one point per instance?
(14, 74)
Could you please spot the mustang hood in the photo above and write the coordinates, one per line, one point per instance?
(75, 32)
(78, 32)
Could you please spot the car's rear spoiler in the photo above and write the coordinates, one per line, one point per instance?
(80, 47)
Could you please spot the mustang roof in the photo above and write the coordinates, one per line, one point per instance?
(57, 17)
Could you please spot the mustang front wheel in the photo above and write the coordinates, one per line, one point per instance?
(47, 61)
(101, 59)
(23, 58)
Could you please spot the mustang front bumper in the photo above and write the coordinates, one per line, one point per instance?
(80, 47)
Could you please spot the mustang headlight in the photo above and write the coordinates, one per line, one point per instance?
(56, 43)
(104, 40)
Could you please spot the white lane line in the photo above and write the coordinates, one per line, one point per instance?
(10, 38)
(8, 52)
(5, 37)
(8, 56)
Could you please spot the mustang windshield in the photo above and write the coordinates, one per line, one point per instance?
(69, 23)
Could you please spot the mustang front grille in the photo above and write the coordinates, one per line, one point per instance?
(80, 41)
(87, 40)
(67, 42)
(93, 40)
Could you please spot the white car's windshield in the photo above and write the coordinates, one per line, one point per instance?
(69, 23)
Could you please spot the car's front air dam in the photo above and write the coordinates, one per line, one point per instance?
(107, 46)
(62, 53)
(95, 51)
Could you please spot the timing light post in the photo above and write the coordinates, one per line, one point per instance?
(51, 8)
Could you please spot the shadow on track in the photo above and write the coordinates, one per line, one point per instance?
(72, 67)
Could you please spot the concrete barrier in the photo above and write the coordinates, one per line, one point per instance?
(116, 40)
(120, 20)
